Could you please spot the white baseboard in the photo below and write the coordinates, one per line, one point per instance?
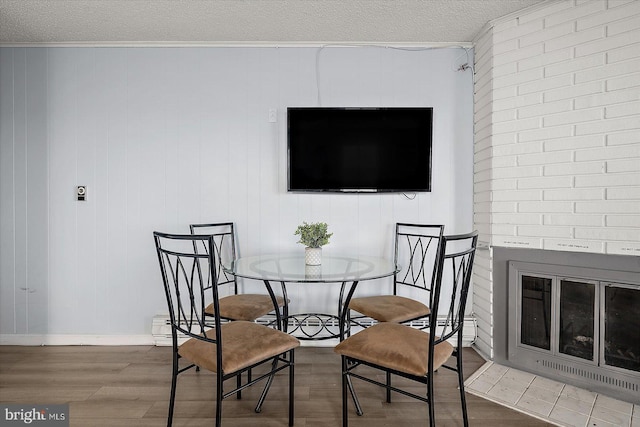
(115, 340)
(71, 339)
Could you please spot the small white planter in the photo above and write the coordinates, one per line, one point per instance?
(313, 256)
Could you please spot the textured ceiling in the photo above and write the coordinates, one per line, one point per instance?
(249, 21)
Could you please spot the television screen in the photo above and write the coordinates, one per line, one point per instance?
(359, 149)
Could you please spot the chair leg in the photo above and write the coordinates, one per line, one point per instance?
(291, 387)
(432, 412)
(267, 386)
(354, 396)
(238, 385)
(463, 399)
(219, 392)
(345, 415)
(174, 379)
(388, 385)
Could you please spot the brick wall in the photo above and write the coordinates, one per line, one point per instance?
(557, 134)
(483, 103)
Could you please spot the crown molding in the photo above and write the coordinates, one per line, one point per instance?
(399, 45)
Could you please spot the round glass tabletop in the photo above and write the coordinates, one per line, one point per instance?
(292, 268)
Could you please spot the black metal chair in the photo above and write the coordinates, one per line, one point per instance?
(236, 306)
(412, 353)
(416, 253)
(226, 348)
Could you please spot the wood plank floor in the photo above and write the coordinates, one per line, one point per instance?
(129, 386)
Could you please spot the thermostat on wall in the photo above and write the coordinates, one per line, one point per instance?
(81, 193)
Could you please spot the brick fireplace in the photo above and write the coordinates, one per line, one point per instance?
(557, 170)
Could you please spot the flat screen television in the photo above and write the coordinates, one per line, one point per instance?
(359, 149)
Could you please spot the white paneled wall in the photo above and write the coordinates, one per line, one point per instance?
(163, 137)
(557, 117)
(23, 164)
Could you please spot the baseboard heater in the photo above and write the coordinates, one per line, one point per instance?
(161, 330)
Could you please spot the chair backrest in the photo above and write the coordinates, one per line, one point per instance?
(417, 252)
(224, 246)
(452, 287)
(186, 274)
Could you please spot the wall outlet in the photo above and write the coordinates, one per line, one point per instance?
(273, 115)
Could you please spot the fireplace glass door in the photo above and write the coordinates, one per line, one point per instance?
(535, 322)
(577, 319)
(622, 326)
(594, 321)
(577, 323)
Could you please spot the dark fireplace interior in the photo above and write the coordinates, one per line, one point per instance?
(577, 304)
(622, 328)
(536, 312)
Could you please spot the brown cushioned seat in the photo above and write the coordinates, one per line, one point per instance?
(243, 344)
(244, 306)
(394, 346)
(389, 308)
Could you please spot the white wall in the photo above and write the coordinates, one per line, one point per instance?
(557, 130)
(163, 137)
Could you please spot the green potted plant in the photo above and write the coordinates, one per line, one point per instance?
(313, 236)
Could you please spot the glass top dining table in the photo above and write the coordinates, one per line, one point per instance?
(291, 268)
